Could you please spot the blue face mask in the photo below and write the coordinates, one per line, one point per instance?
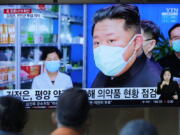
(52, 66)
(176, 45)
(109, 59)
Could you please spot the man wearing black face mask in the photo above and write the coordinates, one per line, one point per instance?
(118, 51)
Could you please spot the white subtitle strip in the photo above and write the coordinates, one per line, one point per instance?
(140, 93)
(27, 16)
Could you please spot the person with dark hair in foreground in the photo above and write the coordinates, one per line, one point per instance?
(167, 88)
(52, 78)
(173, 60)
(72, 112)
(13, 116)
(118, 49)
(139, 127)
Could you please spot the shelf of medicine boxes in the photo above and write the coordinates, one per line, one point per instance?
(45, 13)
(70, 44)
(6, 83)
(26, 81)
(72, 19)
(76, 68)
(7, 45)
(39, 45)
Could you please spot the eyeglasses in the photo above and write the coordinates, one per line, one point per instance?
(148, 39)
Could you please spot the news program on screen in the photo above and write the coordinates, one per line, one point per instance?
(121, 54)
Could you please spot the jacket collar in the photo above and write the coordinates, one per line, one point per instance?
(8, 133)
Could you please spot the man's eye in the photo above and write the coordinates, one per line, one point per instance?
(111, 41)
(96, 43)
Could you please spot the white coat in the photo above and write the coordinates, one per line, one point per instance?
(43, 81)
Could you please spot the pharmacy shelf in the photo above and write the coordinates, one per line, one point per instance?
(4, 84)
(70, 44)
(72, 19)
(7, 45)
(26, 81)
(76, 68)
(39, 45)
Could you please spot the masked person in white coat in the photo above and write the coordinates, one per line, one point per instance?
(51, 78)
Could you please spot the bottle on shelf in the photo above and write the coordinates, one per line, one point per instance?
(11, 72)
(3, 74)
(11, 33)
(4, 34)
(1, 31)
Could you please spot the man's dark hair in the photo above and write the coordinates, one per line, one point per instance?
(172, 28)
(139, 127)
(73, 107)
(129, 13)
(13, 114)
(151, 28)
(163, 71)
(49, 50)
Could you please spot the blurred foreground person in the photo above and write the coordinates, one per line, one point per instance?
(72, 112)
(13, 116)
(138, 127)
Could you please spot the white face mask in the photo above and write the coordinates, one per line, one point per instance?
(109, 59)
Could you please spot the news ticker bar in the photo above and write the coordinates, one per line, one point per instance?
(140, 93)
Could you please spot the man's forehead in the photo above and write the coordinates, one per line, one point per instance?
(175, 31)
(106, 23)
(110, 27)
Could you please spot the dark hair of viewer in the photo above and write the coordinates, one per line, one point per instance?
(139, 127)
(13, 114)
(73, 107)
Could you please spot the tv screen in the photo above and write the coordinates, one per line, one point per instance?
(121, 54)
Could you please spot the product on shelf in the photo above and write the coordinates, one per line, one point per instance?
(11, 74)
(38, 38)
(7, 33)
(24, 37)
(7, 72)
(3, 33)
(11, 33)
(30, 38)
(48, 38)
(31, 70)
(3, 74)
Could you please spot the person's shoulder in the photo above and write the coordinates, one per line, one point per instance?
(174, 82)
(64, 75)
(154, 65)
(159, 83)
(39, 76)
(164, 58)
(9, 133)
(167, 57)
(99, 81)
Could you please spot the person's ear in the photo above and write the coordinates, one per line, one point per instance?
(138, 42)
(170, 42)
(54, 118)
(151, 45)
